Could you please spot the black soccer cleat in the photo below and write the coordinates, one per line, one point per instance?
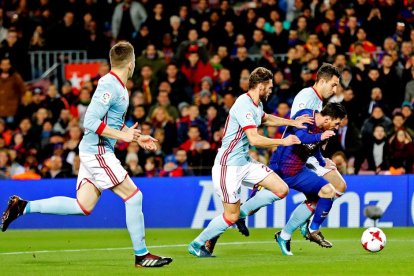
(241, 225)
(14, 210)
(150, 260)
(210, 244)
(318, 238)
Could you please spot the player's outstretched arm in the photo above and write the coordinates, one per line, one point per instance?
(257, 140)
(131, 134)
(299, 122)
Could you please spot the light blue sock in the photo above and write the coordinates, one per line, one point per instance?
(298, 217)
(58, 205)
(215, 228)
(135, 223)
(262, 198)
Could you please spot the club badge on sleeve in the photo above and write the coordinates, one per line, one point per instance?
(106, 97)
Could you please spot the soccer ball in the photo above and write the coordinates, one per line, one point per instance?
(373, 239)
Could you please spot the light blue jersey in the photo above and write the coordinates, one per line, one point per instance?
(108, 107)
(307, 98)
(243, 115)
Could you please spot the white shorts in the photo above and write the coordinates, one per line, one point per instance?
(313, 164)
(104, 171)
(227, 180)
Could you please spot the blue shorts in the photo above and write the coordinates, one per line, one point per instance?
(306, 181)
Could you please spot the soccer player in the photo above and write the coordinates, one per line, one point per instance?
(312, 98)
(233, 166)
(99, 168)
(290, 164)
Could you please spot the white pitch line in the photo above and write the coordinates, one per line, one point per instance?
(172, 246)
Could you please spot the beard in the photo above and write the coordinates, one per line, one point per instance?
(263, 98)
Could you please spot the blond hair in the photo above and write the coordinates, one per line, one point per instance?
(121, 53)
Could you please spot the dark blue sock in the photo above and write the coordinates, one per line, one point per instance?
(323, 207)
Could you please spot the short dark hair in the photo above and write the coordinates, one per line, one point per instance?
(121, 53)
(327, 71)
(334, 110)
(259, 75)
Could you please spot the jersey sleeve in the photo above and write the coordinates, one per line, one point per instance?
(101, 101)
(319, 157)
(244, 114)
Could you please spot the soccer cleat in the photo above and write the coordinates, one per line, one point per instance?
(14, 210)
(150, 260)
(210, 244)
(241, 225)
(318, 238)
(283, 244)
(198, 251)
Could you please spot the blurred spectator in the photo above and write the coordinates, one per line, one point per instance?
(376, 99)
(409, 88)
(75, 166)
(150, 169)
(224, 83)
(82, 105)
(199, 155)
(341, 163)
(37, 41)
(401, 151)
(127, 19)
(54, 103)
(240, 62)
(347, 141)
(152, 57)
(62, 124)
(192, 45)
(195, 69)
(164, 102)
(377, 118)
(55, 166)
(5, 133)
(181, 161)
(392, 90)
(66, 34)
(407, 111)
(160, 118)
(15, 50)
(12, 88)
(398, 122)
(138, 115)
(156, 22)
(146, 83)
(5, 169)
(132, 166)
(376, 152)
(180, 89)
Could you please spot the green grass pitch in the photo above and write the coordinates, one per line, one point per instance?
(108, 252)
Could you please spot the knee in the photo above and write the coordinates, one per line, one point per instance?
(86, 210)
(231, 218)
(327, 191)
(282, 191)
(341, 186)
(135, 198)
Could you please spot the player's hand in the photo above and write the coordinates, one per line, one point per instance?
(290, 140)
(330, 164)
(327, 134)
(132, 134)
(301, 120)
(147, 142)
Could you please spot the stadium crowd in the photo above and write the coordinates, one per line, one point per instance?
(193, 60)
